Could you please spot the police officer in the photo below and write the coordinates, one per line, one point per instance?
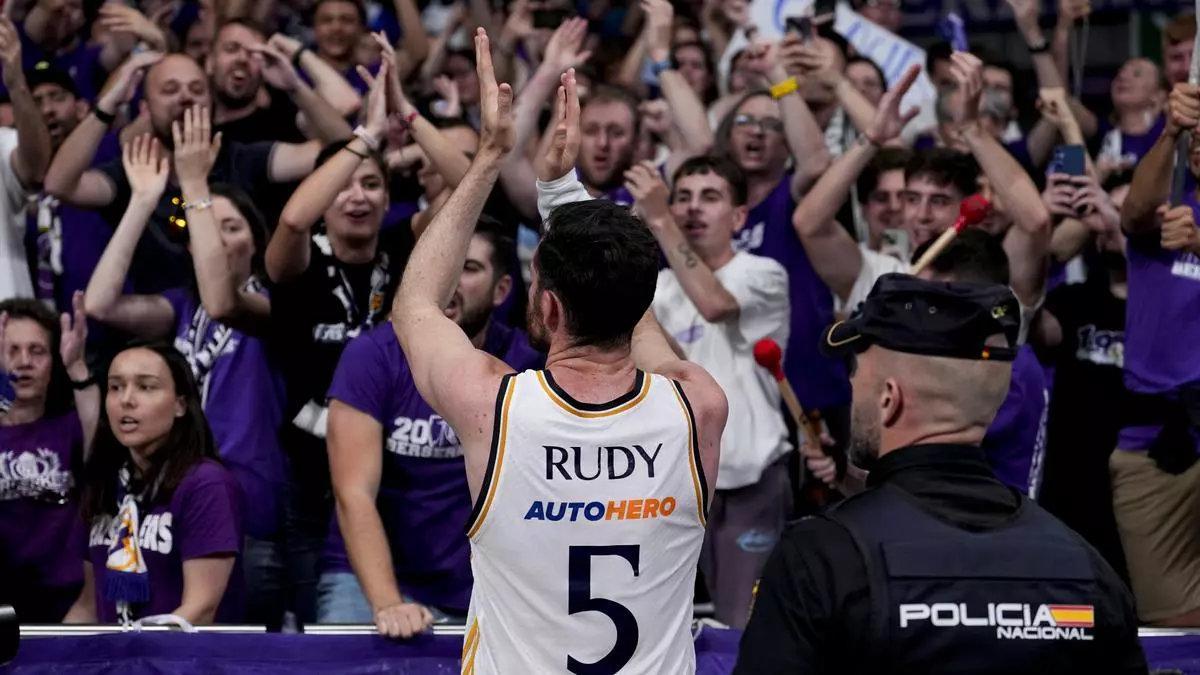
(937, 567)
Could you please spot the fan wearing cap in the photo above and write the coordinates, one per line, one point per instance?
(937, 567)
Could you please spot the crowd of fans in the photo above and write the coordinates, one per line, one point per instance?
(207, 208)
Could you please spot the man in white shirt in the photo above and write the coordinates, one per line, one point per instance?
(24, 155)
(717, 304)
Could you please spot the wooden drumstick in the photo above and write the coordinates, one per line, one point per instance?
(768, 355)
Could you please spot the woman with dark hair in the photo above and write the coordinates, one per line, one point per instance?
(215, 323)
(334, 274)
(46, 432)
(165, 515)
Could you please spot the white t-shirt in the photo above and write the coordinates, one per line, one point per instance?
(755, 434)
(874, 265)
(14, 269)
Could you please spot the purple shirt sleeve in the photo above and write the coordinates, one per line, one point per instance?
(209, 513)
(361, 379)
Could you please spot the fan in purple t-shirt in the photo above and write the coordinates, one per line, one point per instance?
(216, 323)
(165, 516)
(398, 469)
(44, 440)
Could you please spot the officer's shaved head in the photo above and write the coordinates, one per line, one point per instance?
(903, 399)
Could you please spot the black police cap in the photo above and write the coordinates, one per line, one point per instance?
(932, 318)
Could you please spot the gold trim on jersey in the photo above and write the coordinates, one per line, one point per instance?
(492, 476)
(588, 414)
(693, 453)
(470, 646)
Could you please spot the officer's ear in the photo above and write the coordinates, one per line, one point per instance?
(891, 402)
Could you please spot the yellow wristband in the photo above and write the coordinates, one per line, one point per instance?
(784, 88)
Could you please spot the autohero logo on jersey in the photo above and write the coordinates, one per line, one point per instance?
(1012, 620)
(609, 463)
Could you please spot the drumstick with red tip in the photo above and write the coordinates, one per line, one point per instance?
(971, 211)
(768, 355)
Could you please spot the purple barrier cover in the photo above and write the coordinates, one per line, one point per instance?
(166, 653)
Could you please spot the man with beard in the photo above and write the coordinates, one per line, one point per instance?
(397, 555)
(173, 83)
(246, 111)
(64, 243)
(717, 304)
(937, 566)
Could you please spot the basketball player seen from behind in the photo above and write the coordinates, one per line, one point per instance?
(590, 478)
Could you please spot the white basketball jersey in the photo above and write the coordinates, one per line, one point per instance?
(586, 532)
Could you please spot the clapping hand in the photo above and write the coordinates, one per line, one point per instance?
(145, 167)
(563, 149)
(967, 70)
(73, 326)
(196, 148)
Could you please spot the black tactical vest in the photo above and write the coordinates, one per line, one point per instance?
(1021, 598)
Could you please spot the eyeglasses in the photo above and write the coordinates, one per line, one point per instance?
(772, 124)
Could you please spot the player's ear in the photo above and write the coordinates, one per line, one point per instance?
(553, 316)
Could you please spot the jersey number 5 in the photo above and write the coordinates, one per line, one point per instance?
(579, 599)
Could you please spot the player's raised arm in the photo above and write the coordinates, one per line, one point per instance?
(446, 367)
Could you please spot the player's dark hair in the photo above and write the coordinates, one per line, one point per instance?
(973, 256)
(602, 263)
(59, 396)
(504, 247)
(887, 159)
(945, 167)
(722, 167)
(189, 442)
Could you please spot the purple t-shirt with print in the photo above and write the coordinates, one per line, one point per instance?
(1161, 328)
(243, 396)
(1135, 146)
(423, 497)
(820, 382)
(41, 533)
(201, 518)
(1015, 444)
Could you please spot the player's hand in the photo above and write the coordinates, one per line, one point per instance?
(1179, 231)
(498, 133)
(889, 121)
(563, 150)
(650, 195)
(1183, 109)
(402, 620)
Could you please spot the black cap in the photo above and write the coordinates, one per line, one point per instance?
(933, 318)
(45, 73)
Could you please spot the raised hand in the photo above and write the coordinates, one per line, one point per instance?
(1052, 103)
(127, 20)
(74, 332)
(497, 134)
(1025, 15)
(650, 194)
(397, 101)
(196, 148)
(449, 104)
(120, 87)
(1179, 231)
(276, 67)
(967, 70)
(145, 167)
(889, 121)
(1070, 11)
(563, 149)
(10, 55)
(286, 45)
(565, 48)
(659, 17)
(375, 112)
